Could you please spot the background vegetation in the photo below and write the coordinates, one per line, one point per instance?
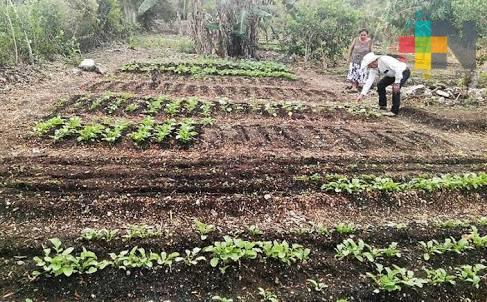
(34, 30)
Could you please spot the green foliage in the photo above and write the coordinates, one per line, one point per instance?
(45, 28)
(90, 132)
(101, 234)
(469, 273)
(339, 183)
(362, 251)
(439, 276)
(141, 231)
(154, 105)
(164, 131)
(231, 250)
(203, 229)
(42, 128)
(59, 261)
(192, 257)
(319, 29)
(186, 132)
(284, 252)
(317, 285)
(345, 228)
(114, 133)
(144, 131)
(267, 296)
(179, 44)
(391, 279)
(135, 258)
(254, 230)
(69, 128)
(206, 67)
(433, 247)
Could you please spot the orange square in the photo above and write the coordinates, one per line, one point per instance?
(439, 44)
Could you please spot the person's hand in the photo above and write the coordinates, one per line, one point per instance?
(396, 88)
(360, 97)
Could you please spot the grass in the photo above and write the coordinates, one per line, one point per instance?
(176, 43)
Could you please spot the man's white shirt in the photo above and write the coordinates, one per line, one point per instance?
(388, 67)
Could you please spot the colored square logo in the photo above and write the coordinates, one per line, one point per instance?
(407, 44)
(439, 44)
(423, 44)
(423, 61)
(422, 29)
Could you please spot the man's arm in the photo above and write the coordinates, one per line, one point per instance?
(370, 81)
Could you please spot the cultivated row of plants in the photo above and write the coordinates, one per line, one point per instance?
(111, 103)
(58, 260)
(368, 183)
(215, 67)
(183, 132)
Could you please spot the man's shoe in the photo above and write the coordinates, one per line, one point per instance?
(383, 107)
(389, 113)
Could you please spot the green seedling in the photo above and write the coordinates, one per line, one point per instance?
(173, 107)
(284, 252)
(114, 133)
(267, 296)
(206, 108)
(90, 133)
(254, 230)
(203, 229)
(316, 285)
(345, 228)
(165, 259)
(192, 257)
(186, 132)
(101, 234)
(132, 107)
(439, 276)
(135, 258)
(144, 131)
(231, 250)
(68, 129)
(207, 121)
(42, 128)
(191, 104)
(470, 274)
(141, 231)
(154, 105)
(359, 250)
(391, 280)
(163, 132)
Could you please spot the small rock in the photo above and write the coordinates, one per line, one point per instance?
(36, 151)
(443, 93)
(100, 69)
(415, 90)
(87, 65)
(267, 196)
(109, 213)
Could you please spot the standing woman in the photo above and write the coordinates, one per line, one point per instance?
(360, 46)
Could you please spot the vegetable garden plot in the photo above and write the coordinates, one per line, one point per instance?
(210, 67)
(183, 89)
(170, 132)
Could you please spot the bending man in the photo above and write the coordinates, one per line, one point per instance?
(394, 71)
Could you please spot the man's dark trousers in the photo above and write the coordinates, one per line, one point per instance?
(396, 97)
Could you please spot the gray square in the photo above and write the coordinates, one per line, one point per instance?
(439, 60)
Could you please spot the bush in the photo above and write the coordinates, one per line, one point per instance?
(319, 29)
(33, 30)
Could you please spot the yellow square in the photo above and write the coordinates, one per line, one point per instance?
(423, 61)
(439, 44)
